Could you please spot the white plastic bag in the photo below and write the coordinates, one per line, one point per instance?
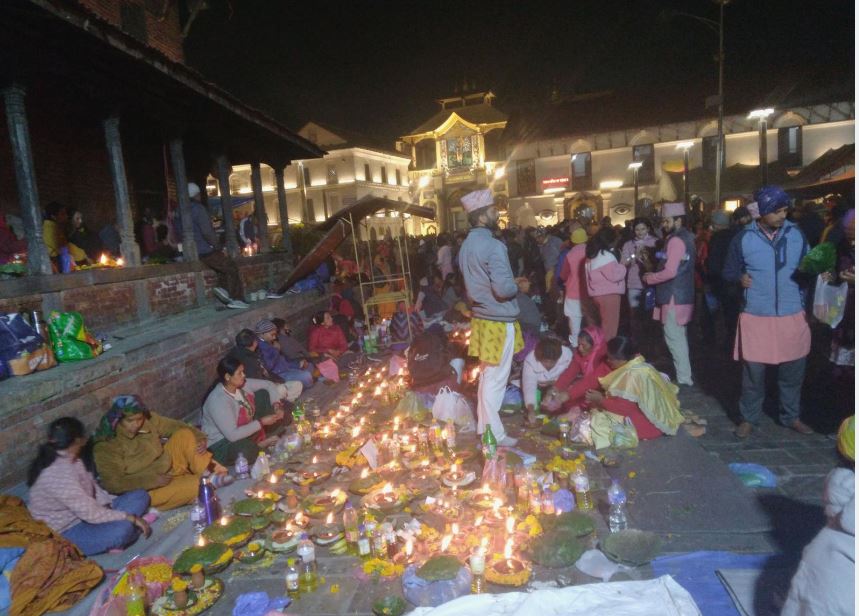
(451, 405)
(829, 302)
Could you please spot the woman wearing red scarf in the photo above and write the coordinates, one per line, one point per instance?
(587, 367)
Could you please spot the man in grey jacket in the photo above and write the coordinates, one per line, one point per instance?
(495, 332)
(211, 254)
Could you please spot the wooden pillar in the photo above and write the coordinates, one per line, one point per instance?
(177, 159)
(38, 261)
(414, 156)
(259, 207)
(281, 206)
(227, 205)
(128, 246)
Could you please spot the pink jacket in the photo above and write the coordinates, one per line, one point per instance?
(605, 276)
(572, 272)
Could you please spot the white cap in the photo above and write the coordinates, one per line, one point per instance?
(477, 199)
(193, 190)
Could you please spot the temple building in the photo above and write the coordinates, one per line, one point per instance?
(457, 150)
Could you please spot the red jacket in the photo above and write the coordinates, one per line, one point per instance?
(324, 339)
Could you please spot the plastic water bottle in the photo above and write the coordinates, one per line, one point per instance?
(292, 579)
(617, 520)
(261, 467)
(198, 517)
(65, 260)
(135, 603)
(307, 552)
(350, 525)
(242, 467)
(450, 432)
(582, 486)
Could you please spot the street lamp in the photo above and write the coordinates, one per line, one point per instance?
(635, 167)
(761, 116)
(685, 145)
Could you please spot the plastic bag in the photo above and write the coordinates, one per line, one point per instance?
(22, 350)
(70, 339)
(819, 259)
(420, 592)
(829, 302)
(451, 405)
(580, 430)
(329, 370)
(612, 430)
(512, 398)
(495, 472)
(410, 407)
(753, 475)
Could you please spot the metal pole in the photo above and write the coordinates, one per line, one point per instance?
(762, 135)
(720, 140)
(686, 178)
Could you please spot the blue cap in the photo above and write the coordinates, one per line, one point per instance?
(771, 199)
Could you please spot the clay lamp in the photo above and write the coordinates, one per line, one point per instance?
(455, 475)
(301, 520)
(180, 592)
(198, 579)
(509, 570)
(407, 556)
(291, 499)
(386, 497)
(284, 535)
(329, 531)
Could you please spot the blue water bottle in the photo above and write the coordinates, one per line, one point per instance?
(209, 501)
(65, 260)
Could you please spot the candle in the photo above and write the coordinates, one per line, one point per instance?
(224, 520)
(273, 479)
(477, 562)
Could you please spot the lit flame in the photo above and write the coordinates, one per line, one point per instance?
(120, 262)
(201, 542)
(445, 542)
(314, 460)
(358, 395)
(365, 473)
(484, 543)
(330, 518)
(486, 488)
(508, 550)
(260, 494)
(410, 546)
(387, 488)
(557, 512)
(273, 478)
(454, 528)
(356, 431)
(224, 520)
(496, 505)
(510, 522)
(478, 520)
(335, 493)
(325, 431)
(103, 259)
(385, 437)
(453, 469)
(378, 391)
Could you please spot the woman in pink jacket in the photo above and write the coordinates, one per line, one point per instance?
(605, 278)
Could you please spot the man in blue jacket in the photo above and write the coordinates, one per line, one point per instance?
(772, 330)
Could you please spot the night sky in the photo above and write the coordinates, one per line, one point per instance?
(376, 66)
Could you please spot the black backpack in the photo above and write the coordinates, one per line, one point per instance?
(427, 359)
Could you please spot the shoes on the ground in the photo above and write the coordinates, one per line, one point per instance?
(237, 304)
(798, 426)
(695, 431)
(221, 294)
(273, 295)
(508, 441)
(743, 430)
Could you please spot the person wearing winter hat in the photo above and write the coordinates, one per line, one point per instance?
(231, 291)
(823, 583)
(273, 360)
(772, 329)
(573, 276)
(495, 332)
(675, 287)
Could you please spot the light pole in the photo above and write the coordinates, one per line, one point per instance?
(635, 167)
(685, 145)
(761, 116)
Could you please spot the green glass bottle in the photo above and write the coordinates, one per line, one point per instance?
(490, 445)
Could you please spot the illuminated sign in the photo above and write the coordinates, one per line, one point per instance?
(555, 184)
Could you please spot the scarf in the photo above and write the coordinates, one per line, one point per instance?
(639, 382)
(128, 404)
(598, 350)
(247, 409)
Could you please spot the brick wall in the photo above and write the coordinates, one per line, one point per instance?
(171, 294)
(171, 366)
(164, 35)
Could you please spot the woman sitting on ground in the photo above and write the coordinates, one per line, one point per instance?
(635, 389)
(230, 419)
(65, 496)
(129, 455)
(326, 338)
(543, 366)
(584, 371)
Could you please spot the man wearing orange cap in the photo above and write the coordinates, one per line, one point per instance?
(495, 332)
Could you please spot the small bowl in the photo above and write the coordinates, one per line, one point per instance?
(390, 605)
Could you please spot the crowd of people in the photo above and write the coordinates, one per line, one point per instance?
(103, 491)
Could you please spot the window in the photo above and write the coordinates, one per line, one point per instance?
(790, 146)
(306, 176)
(384, 174)
(133, 20)
(644, 154)
(580, 165)
(332, 174)
(526, 179)
(708, 152)
(367, 176)
(399, 177)
(311, 212)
